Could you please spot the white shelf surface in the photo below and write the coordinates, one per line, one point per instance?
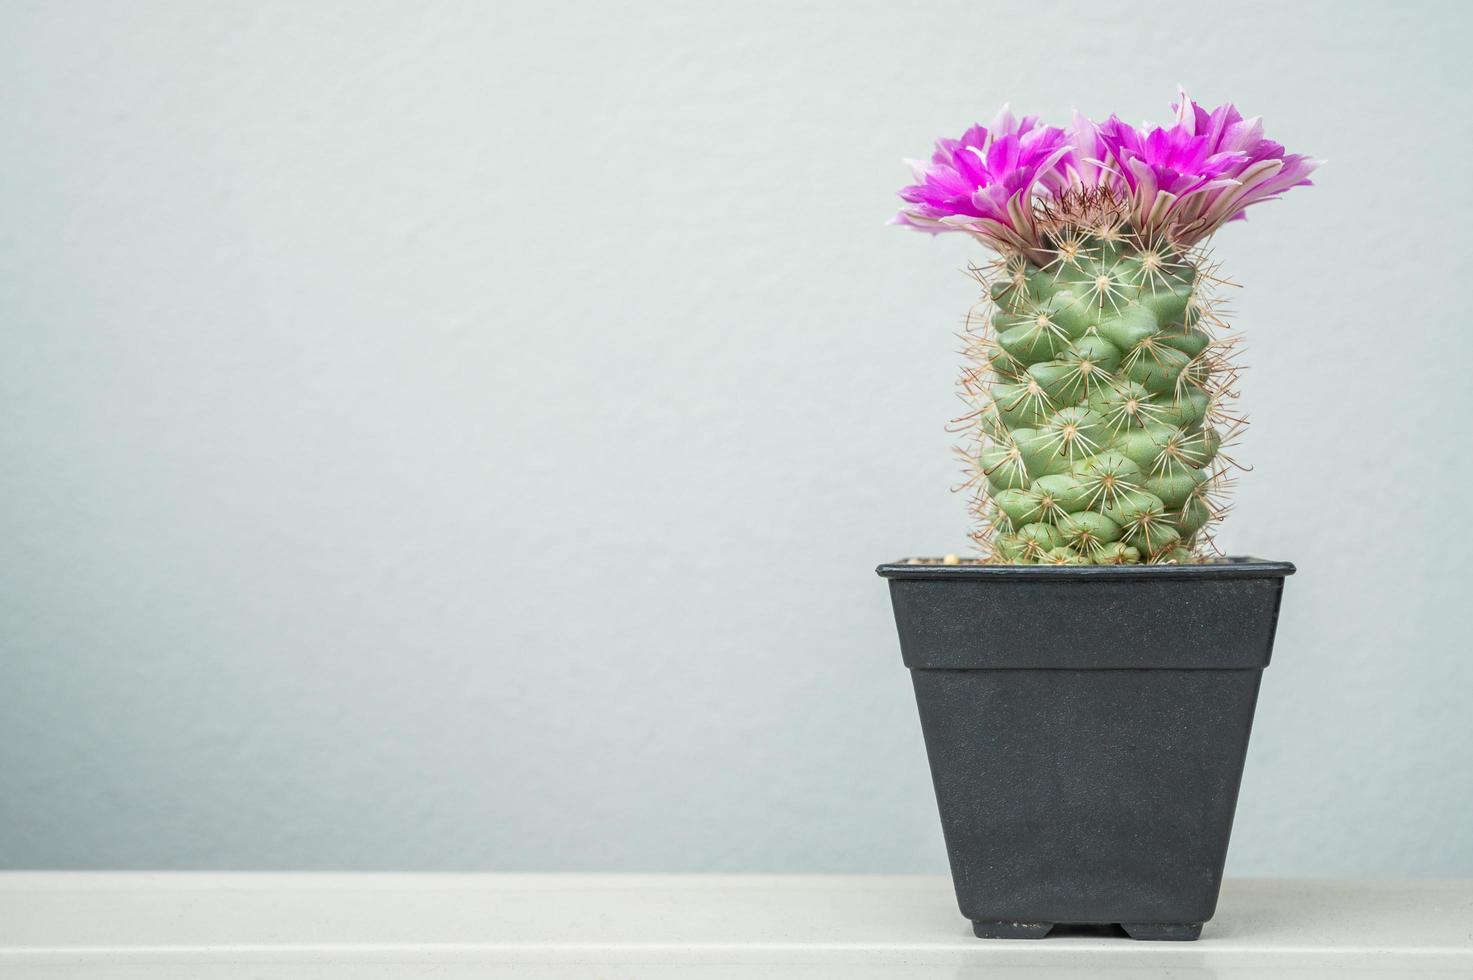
(216, 925)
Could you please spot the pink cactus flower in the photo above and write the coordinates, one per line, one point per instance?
(1180, 183)
(985, 183)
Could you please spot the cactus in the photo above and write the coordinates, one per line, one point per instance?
(1099, 375)
(1101, 380)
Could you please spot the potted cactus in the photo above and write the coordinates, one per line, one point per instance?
(1086, 684)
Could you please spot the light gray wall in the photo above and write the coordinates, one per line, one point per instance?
(460, 435)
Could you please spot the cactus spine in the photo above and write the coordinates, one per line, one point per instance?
(1099, 379)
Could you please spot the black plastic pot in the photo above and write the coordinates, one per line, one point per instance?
(1086, 727)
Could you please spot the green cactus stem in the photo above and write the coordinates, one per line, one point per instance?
(1100, 377)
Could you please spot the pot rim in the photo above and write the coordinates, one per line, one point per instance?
(1237, 566)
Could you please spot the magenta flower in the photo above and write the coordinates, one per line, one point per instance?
(1186, 181)
(1181, 182)
(985, 182)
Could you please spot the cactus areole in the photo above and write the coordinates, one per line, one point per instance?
(1086, 686)
(1101, 374)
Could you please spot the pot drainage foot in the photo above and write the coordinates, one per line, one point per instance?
(1169, 931)
(983, 929)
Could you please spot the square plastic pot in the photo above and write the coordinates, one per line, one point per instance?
(1086, 728)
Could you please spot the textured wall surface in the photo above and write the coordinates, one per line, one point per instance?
(461, 435)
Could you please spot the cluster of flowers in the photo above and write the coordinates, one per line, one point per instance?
(1179, 183)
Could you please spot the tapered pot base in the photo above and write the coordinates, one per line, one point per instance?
(1148, 931)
